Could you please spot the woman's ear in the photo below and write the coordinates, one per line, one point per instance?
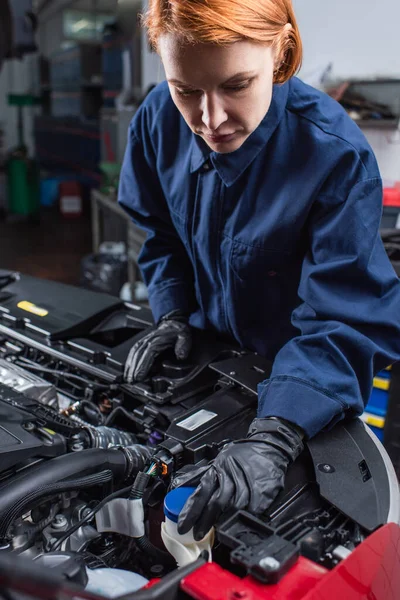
(281, 47)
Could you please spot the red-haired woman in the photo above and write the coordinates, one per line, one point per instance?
(262, 203)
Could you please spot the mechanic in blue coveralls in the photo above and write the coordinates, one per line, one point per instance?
(262, 202)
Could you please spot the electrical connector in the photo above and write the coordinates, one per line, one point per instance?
(169, 457)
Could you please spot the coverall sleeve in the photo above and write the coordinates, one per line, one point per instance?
(349, 319)
(163, 261)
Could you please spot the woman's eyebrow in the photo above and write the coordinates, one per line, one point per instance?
(178, 82)
(241, 75)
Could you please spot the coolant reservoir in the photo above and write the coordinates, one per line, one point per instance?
(183, 548)
(111, 583)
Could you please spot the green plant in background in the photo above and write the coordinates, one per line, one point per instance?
(23, 174)
(111, 172)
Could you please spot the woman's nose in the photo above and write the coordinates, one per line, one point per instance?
(213, 112)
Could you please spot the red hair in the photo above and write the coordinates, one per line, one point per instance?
(269, 22)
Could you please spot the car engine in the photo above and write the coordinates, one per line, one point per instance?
(74, 438)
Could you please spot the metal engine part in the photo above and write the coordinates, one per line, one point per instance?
(31, 543)
(23, 381)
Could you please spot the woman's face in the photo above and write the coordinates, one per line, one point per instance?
(222, 92)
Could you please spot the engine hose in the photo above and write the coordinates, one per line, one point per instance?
(123, 462)
(139, 486)
(8, 517)
(148, 548)
(101, 436)
(106, 437)
(143, 543)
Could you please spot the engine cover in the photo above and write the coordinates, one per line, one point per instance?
(20, 437)
(22, 381)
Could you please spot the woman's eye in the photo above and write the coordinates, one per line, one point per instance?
(228, 88)
(186, 92)
(238, 87)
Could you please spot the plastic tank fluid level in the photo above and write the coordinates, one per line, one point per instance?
(112, 583)
(183, 548)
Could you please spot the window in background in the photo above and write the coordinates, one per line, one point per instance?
(85, 26)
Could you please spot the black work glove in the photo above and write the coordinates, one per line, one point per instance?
(172, 331)
(247, 474)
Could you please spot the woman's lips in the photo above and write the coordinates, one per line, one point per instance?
(220, 139)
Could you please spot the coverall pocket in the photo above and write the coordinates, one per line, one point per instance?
(262, 290)
(258, 266)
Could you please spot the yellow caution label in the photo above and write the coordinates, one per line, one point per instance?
(32, 308)
(49, 431)
(381, 384)
(373, 420)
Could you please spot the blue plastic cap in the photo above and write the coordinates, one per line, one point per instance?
(174, 502)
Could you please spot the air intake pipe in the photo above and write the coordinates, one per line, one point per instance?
(122, 462)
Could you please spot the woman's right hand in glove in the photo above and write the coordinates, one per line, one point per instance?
(172, 331)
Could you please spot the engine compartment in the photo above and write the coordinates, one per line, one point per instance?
(70, 430)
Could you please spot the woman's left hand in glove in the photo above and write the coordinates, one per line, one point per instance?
(247, 474)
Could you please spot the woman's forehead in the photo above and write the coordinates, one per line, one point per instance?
(184, 60)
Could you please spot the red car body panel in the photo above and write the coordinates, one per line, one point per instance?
(371, 572)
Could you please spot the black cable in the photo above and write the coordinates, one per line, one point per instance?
(118, 409)
(109, 421)
(143, 543)
(28, 364)
(48, 490)
(91, 406)
(89, 516)
(139, 486)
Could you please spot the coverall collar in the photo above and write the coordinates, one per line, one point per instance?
(231, 166)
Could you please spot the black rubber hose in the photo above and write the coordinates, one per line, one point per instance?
(139, 486)
(8, 517)
(142, 542)
(164, 558)
(72, 465)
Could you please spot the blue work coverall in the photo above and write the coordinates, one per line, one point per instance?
(276, 245)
